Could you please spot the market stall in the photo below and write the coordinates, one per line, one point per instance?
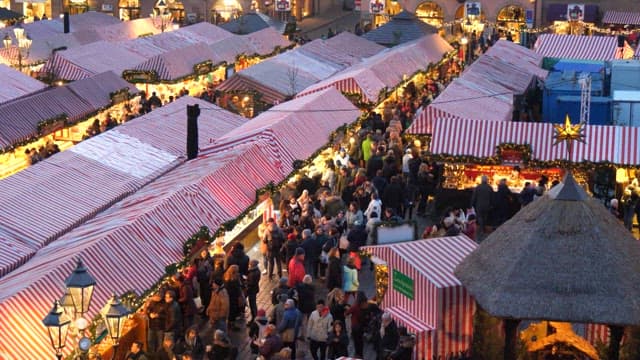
(582, 47)
(421, 292)
(403, 27)
(117, 163)
(621, 19)
(486, 90)
(282, 77)
(371, 79)
(153, 223)
(16, 84)
(58, 116)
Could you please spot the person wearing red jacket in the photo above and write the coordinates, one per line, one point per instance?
(296, 268)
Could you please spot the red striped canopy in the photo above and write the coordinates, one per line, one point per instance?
(584, 47)
(615, 144)
(441, 310)
(47, 200)
(286, 127)
(386, 69)
(621, 17)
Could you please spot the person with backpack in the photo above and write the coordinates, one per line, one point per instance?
(289, 326)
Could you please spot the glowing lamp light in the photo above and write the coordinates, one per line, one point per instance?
(57, 323)
(417, 143)
(464, 40)
(115, 316)
(80, 285)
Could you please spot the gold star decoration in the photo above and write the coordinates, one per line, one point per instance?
(568, 133)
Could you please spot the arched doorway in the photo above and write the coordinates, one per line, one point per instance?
(431, 13)
(511, 18)
(129, 10)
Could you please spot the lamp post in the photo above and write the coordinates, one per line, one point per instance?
(57, 323)
(80, 285)
(464, 42)
(162, 17)
(115, 316)
(24, 44)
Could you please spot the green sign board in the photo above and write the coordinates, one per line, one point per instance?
(402, 284)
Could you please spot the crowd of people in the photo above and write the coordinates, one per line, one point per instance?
(43, 152)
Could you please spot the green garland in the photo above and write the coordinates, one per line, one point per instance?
(42, 124)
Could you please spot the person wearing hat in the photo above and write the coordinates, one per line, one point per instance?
(289, 326)
(296, 268)
(218, 309)
(253, 287)
(318, 328)
(257, 329)
(405, 164)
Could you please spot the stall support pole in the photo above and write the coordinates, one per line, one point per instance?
(510, 338)
(615, 337)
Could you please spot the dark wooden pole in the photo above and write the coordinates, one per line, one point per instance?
(510, 338)
(615, 336)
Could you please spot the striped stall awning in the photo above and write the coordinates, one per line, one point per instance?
(239, 82)
(61, 68)
(615, 144)
(348, 85)
(621, 17)
(602, 48)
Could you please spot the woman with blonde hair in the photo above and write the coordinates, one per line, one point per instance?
(233, 284)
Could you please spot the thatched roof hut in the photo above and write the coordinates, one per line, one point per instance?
(563, 257)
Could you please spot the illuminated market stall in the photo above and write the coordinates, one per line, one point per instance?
(282, 77)
(235, 164)
(59, 117)
(416, 285)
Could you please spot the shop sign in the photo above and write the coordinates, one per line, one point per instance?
(376, 6)
(403, 284)
(107, 7)
(283, 5)
(140, 76)
(575, 12)
(512, 157)
(472, 9)
(528, 18)
(203, 68)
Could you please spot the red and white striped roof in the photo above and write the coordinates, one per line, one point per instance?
(485, 90)
(615, 144)
(621, 17)
(386, 69)
(286, 126)
(434, 258)
(141, 234)
(47, 200)
(584, 47)
(16, 84)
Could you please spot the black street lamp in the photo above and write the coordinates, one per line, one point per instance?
(115, 315)
(80, 285)
(57, 323)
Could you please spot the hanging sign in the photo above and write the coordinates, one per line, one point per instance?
(283, 5)
(402, 284)
(472, 9)
(376, 6)
(575, 12)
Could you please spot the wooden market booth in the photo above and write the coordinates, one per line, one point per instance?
(604, 48)
(416, 285)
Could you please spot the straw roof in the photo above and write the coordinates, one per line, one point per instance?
(562, 257)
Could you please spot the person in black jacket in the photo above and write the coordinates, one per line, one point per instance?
(173, 319)
(389, 336)
(334, 270)
(306, 299)
(253, 288)
(404, 351)
(191, 343)
(238, 257)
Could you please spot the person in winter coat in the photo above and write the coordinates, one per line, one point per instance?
(221, 348)
(166, 351)
(405, 347)
(290, 247)
(204, 267)
(173, 320)
(282, 288)
(350, 282)
(233, 284)
(336, 304)
(354, 214)
(185, 300)
(338, 341)
(277, 313)
(305, 300)
(289, 326)
(389, 336)
(155, 310)
(253, 287)
(481, 201)
(334, 270)
(393, 196)
(257, 329)
(270, 344)
(136, 352)
(191, 343)
(374, 209)
(218, 310)
(296, 268)
(238, 257)
(318, 328)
